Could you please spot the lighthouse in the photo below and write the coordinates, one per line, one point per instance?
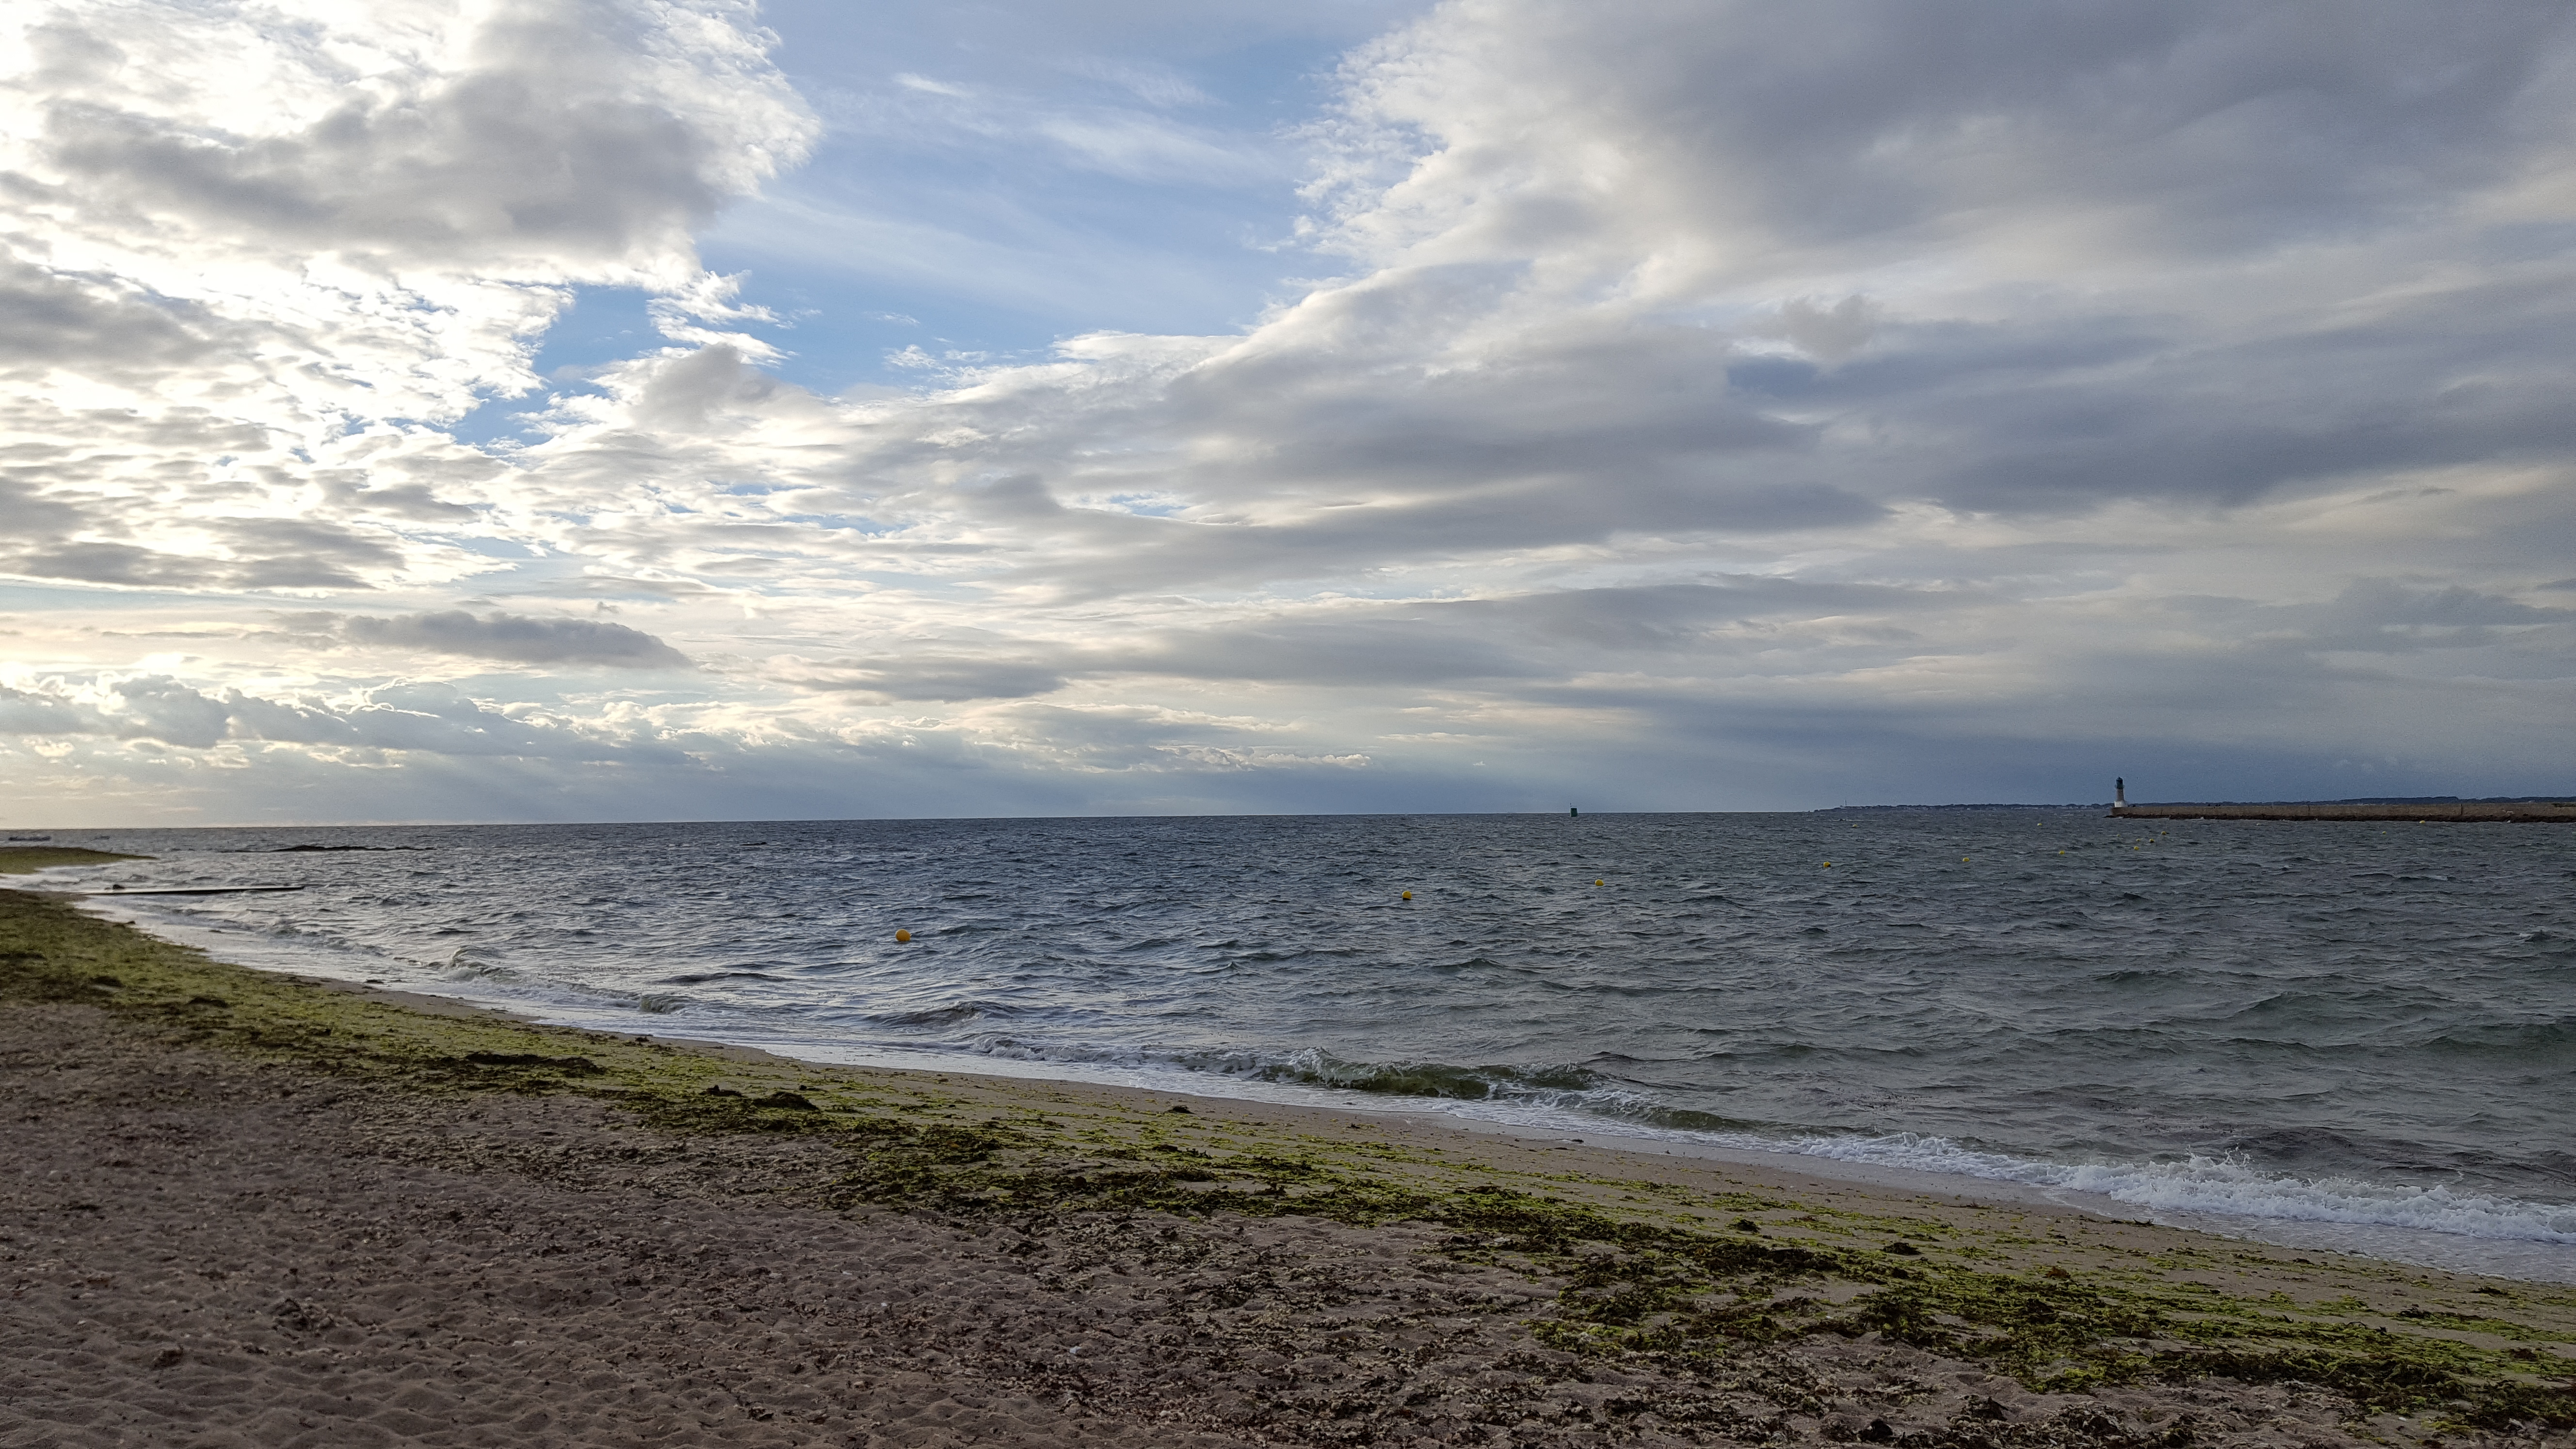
(2119, 793)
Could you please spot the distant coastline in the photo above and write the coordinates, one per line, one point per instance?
(2529, 811)
(2442, 806)
(1881, 809)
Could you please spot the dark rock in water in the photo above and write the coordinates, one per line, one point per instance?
(722, 1092)
(1177, 1108)
(788, 1101)
(1746, 1225)
(1903, 1249)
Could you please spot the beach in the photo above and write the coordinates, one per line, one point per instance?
(247, 1208)
(2355, 1041)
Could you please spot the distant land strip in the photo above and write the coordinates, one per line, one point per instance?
(2559, 812)
(2513, 808)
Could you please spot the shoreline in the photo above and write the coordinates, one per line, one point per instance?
(1457, 1285)
(2516, 1258)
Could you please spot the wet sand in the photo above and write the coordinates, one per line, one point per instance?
(241, 1209)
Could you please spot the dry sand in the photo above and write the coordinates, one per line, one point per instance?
(204, 1243)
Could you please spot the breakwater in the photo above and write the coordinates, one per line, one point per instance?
(2561, 812)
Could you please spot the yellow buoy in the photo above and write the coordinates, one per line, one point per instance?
(903, 935)
(1963, 860)
(1408, 895)
(1829, 865)
(1601, 882)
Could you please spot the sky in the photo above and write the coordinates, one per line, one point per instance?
(453, 410)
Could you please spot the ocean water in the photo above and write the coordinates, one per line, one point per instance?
(2347, 1035)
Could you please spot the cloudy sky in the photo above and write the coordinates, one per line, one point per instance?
(653, 409)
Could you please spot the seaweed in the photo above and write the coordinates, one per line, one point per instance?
(27, 859)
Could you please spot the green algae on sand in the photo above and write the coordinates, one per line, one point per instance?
(1678, 1277)
(28, 859)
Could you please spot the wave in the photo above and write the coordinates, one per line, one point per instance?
(2507, 1039)
(1430, 1079)
(2222, 1186)
(951, 1014)
(1564, 1097)
(1559, 1093)
(474, 963)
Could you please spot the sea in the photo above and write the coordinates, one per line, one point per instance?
(2345, 1036)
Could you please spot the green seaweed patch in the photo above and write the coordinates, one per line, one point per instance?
(1686, 1298)
(28, 859)
(1670, 1301)
(52, 953)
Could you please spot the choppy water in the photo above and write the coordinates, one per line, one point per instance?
(2358, 1025)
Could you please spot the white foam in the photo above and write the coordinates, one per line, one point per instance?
(2227, 1187)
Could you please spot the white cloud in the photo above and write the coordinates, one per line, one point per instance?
(927, 86)
(1156, 85)
(1147, 148)
(258, 256)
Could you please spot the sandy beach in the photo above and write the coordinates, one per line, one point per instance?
(243, 1208)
